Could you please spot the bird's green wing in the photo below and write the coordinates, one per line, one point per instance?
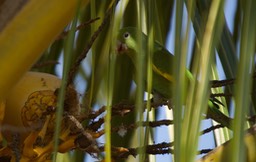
(163, 82)
(163, 79)
(163, 62)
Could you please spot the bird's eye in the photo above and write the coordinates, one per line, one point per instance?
(126, 35)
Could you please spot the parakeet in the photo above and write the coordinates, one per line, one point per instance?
(162, 78)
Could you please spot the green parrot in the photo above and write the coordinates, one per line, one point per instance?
(162, 78)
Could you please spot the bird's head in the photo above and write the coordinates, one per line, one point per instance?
(127, 41)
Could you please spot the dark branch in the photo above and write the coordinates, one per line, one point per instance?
(83, 55)
(79, 27)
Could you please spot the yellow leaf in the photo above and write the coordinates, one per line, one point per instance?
(28, 33)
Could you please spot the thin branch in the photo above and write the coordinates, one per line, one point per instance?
(95, 126)
(212, 128)
(79, 27)
(222, 83)
(154, 149)
(75, 67)
(204, 151)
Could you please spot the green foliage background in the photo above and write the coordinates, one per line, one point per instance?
(109, 80)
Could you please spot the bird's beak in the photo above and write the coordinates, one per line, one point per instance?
(121, 47)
